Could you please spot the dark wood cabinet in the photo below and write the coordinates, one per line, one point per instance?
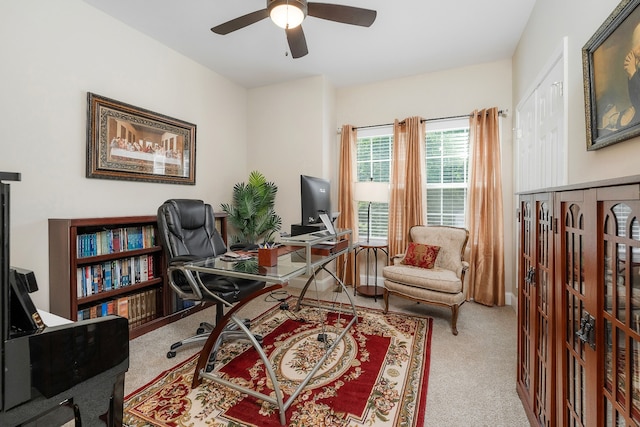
(579, 305)
(100, 266)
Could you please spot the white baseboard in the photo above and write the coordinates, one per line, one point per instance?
(512, 300)
(324, 283)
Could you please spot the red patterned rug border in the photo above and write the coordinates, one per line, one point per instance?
(421, 390)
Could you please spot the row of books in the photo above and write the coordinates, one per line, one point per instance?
(95, 278)
(139, 308)
(116, 240)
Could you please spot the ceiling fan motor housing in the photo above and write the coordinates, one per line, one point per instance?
(300, 4)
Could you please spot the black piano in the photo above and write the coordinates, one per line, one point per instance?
(68, 374)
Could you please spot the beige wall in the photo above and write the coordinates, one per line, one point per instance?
(293, 128)
(578, 20)
(292, 132)
(53, 53)
(447, 93)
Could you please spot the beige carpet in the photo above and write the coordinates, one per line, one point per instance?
(472, 378)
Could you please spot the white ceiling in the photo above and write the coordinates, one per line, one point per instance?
(409, 37)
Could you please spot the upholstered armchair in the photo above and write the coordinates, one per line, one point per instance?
(432, 269)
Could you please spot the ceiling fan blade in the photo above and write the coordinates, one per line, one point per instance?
(340, 13)
(240, 22)
(297, 42)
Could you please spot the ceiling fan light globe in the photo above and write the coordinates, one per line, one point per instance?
(287, 16)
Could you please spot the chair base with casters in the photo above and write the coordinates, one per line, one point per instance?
(443, 284)
(203, 332)
(222, 297)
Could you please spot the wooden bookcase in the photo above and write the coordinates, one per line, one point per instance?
(97, 266)
(579, 304)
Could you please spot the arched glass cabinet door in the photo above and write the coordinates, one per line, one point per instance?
(535, 307)
(573, 350)
(620, 295)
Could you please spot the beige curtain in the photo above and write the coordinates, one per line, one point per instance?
(486, 232)
(407, 203)
(346, 204)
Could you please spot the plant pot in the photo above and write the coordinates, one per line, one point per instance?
(268, 257)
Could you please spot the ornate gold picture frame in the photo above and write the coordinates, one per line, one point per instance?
(131, 143)
(611, 66)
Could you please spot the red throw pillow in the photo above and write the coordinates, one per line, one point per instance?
(420, 255)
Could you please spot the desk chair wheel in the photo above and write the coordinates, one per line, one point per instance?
(204, 327)
(171, 354)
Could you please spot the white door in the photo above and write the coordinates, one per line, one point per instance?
(541, 143)
(550, 127)
(526, 149)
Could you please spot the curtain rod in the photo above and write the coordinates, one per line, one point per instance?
(500, 113)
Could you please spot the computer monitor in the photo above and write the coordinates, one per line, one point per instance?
(315, 195)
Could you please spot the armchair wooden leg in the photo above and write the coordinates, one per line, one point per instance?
(454, 319)
(385, 296)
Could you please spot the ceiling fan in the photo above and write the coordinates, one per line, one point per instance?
(289, 14)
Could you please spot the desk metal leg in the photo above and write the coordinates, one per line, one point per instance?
(340, 282)
(277, 400)
(203, 358)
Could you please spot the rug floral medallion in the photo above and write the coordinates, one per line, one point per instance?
(376, 375)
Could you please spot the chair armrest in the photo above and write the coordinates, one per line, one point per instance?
(396, 259)
(179, 277)
(465, 278)
(188, 284)
(182, 259)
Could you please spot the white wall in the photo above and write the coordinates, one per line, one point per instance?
(53, 53)
(578, 20)
(447, 93)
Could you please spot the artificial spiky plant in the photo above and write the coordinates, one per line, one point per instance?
(252, 214)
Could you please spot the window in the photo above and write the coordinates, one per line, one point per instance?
(373, 160)
(447, 169)
(447, 173)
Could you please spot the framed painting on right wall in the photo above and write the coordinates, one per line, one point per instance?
(611, 67)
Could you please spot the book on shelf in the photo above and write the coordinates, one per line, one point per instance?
(139, 308)
(109, 275)
(123, 307)
(106, 276)
(115, 240)
(144, 268)
(150, 267)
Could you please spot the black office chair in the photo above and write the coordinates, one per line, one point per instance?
(187, 232)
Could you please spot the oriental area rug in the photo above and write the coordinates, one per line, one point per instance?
(376, 376)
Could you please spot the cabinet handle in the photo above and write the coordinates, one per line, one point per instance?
(587, 331)
(530, 277)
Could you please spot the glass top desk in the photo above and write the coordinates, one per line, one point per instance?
(304, 254)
